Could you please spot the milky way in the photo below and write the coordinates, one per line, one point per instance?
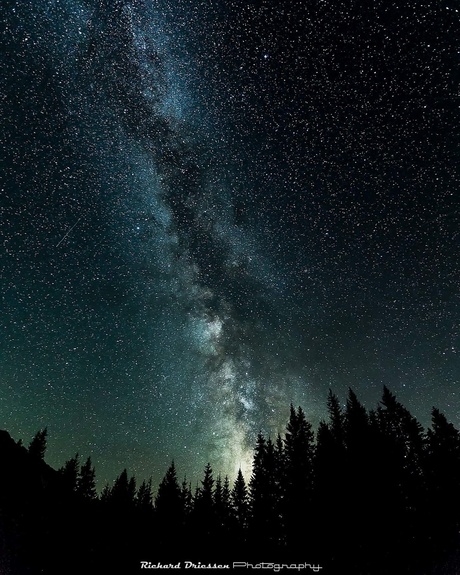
(212, 211)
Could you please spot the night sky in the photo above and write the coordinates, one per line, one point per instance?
(211, 209)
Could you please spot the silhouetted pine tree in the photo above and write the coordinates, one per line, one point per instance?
(144, 515)
(222, 506)
(37, 446)
(258, 495)
(132, 489)
(329, 495)
(298, 452)
(119, 528)
(69, 474)
(187, 498)
(330, 458)
(280, 489)
(218, 494)
(356, 426)
(406, 432)
(204, 513)
(399, 476)
(226, 492)
(86, 481)
(359, 481)
(240, 510)
(330, 452)
(263, 520)
(169, 505)
(122, 494)
(144, 498)
(336, 419)
(170, 512)
(105, 494)
(442, 471)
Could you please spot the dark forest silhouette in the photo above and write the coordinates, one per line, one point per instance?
(370, 493)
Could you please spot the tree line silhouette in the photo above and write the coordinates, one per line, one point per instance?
(370, 493)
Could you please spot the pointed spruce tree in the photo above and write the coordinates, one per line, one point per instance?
(400, 471)
(169, 507)
(299, 452)
(280, 490)
(204, 509)
(358, 481)
(69, 475)
(329, 492)
(122, 494)
(336, 418)
(86, 481)
(144, 498)
(442, 471)
(37, 447)
(263, 522)
(222, 505)
(187, 498)
(240, 508)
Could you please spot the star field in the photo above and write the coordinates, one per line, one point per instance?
(212, 210)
